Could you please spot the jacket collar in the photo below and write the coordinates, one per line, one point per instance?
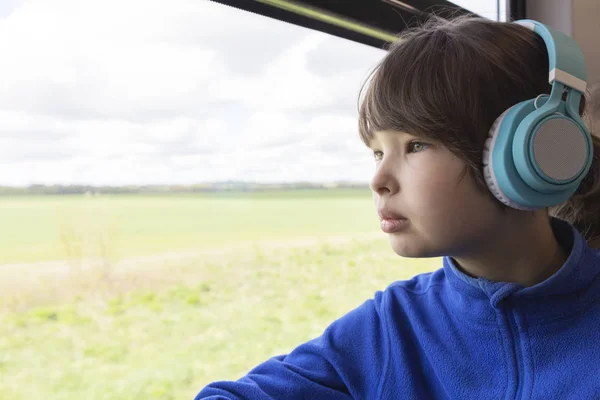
(578, 273)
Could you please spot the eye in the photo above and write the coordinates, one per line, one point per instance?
(416, 147)
(378, 155)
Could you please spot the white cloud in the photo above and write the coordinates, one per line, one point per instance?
(284, 84)
(136, 92)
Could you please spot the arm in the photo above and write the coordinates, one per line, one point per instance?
(345, 362)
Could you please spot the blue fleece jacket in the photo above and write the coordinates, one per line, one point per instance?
(445, 335)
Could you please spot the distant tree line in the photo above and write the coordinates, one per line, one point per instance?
(230, 186)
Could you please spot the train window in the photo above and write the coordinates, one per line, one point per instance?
(174, 176)
(492, 9)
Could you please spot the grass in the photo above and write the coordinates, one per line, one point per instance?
(164, 330)
(60, 227)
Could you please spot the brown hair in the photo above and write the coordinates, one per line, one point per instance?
(448, 81)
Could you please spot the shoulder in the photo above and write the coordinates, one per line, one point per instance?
(420, 292)
(412, 289)
(374, 313)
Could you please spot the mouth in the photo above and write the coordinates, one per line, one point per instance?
(387, 214)
(392, 222)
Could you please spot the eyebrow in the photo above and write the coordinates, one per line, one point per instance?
(399, 133)
(369, 143)
(371, 140)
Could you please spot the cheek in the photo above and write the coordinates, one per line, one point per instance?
(436, 200)
(441, 194)
(451, 214)
(433, 187)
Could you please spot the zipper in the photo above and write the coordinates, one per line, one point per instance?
(516, 350)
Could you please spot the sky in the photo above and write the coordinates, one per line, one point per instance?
(137, 92)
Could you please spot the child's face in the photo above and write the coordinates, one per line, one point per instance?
(425, 183)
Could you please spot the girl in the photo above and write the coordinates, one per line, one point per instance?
(509, 200)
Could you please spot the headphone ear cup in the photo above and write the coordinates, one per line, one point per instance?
(553, 145)
(559, 150)
(488, 170)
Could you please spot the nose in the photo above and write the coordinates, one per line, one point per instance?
(384, 180)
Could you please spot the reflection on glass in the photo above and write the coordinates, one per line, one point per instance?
(492, 9)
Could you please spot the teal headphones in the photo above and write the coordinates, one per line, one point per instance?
(538, 151)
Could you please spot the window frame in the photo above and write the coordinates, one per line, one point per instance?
(372, 23)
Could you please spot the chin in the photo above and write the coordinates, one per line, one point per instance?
(408, 247)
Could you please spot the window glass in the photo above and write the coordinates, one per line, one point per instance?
(139, 247)
(492, 9)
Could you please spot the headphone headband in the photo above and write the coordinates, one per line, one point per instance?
(536, 157)
(566, 61)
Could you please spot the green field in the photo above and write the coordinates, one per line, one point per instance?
(183, 290)
(60, 227)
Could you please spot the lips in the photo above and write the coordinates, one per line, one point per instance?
(391, 221)
(388, 214)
